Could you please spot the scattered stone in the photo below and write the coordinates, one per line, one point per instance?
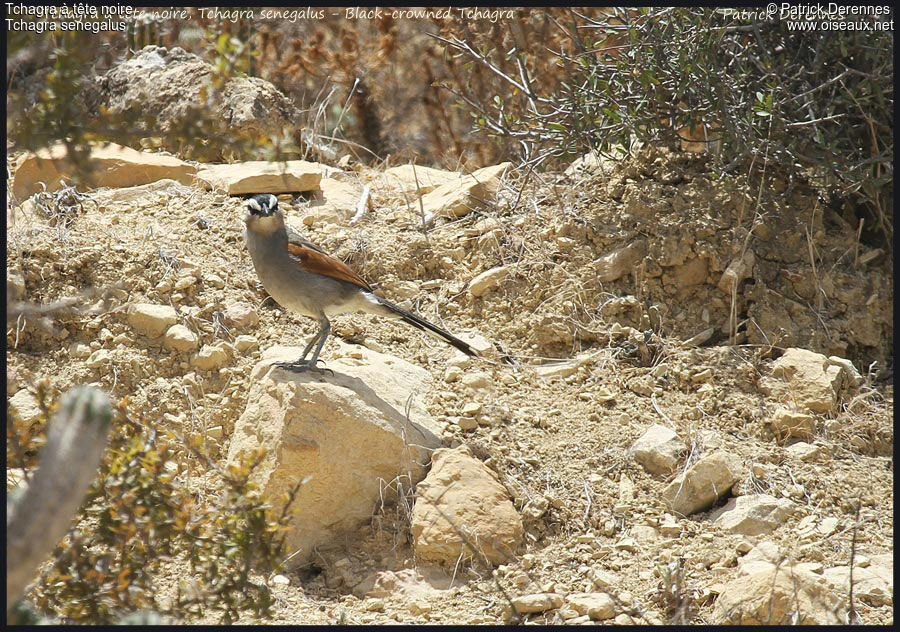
(739, 269)
(477, 380)
(472, 408)
(627, 544)
(151, 320)
(804, 451)
(214, 280)
(244, 343)
(537, 602)
(828, 526)
(453, 374)
(805, 379)
(604, 579)
(658, 450)
(566, 368)
(209, 358)
(460, 360)
(466, 423)
(618, 263)
(98, 359)
(460, 492)
(240, 315)
(419, 606)
(757, 514)
(27, 410)
(598, 606)
(281, 580)
(669, 527)
(15, 284)
(699, 339)
(703, 483)
(643, 533)
(853, 376)
(79, 350)
(184, 282)
(763, 556)
(594, 162)
(692, 272)
(458, 197)
(488, 280)
(788, 423)
(374, 605)
(215, 432)
(110, 165)
(180, 338)
(779, 596)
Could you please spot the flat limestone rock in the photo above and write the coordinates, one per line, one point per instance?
(260, 176)
(355, 437)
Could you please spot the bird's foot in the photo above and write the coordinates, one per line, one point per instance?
(301, 365)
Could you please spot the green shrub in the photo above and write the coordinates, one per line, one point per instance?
(137, 518)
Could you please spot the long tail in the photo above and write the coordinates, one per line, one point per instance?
(424, 325)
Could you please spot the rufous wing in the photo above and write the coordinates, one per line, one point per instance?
(318, 262)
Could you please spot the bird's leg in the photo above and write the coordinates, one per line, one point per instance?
(302, 364)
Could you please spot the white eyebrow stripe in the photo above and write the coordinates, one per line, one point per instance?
(254, 204)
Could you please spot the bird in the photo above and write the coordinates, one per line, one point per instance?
(306, 280)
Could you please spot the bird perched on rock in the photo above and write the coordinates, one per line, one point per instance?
(304, 279)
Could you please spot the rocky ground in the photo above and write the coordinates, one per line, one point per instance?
(683, 411)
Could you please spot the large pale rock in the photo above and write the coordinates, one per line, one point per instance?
(111, 166)
(805, 379)
(779, 596)
(428, 178)
(461, 505)
(873, 585)
(335, 202)
(753, 515)
(355, 437)
(150, 319)
(658, 450)
(620, 262)
(703, 483)
(458, 197)
(260, 176)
